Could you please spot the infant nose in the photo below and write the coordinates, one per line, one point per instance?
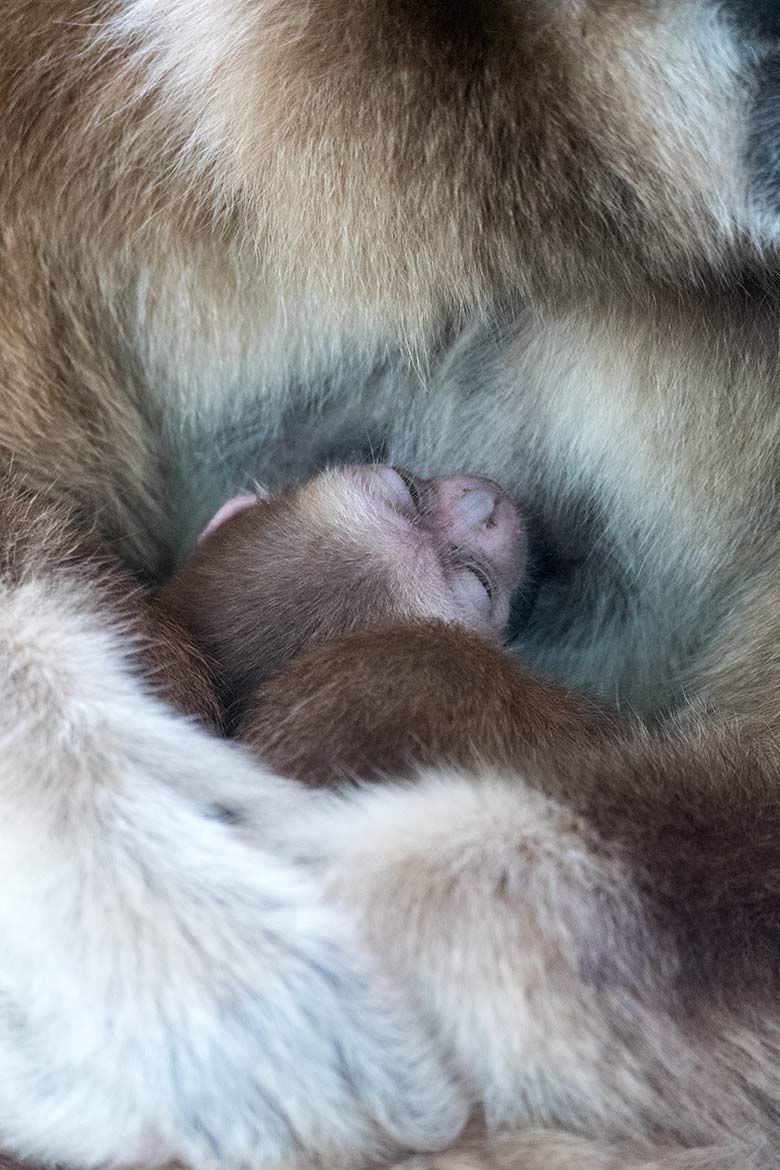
(475, 506)
(466, 503)
(478, 518)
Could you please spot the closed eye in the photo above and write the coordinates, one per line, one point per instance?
(482, 577)
(411, 487)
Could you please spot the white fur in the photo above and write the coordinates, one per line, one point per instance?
(166, 990)
(493, 903)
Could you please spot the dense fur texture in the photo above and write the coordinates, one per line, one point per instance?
(533, 239)
(352, 548)
(342, 644)
(377, 703)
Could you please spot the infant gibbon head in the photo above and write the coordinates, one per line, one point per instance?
(352, 548)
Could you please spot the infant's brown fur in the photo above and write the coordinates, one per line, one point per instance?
(539, 239)
(383, 701)
(328, 673)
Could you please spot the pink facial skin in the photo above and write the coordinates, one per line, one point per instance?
(471, 534)
(458, 541)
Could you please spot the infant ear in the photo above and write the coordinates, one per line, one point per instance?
(230, 508)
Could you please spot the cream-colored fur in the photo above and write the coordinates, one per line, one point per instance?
(167, 991)
(519, 238)
(544, 1151)
(520, 932)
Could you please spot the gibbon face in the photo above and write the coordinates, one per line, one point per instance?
(353, 547)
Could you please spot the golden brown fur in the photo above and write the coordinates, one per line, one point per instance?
(329, 658)
(535, 239)
(41, 534)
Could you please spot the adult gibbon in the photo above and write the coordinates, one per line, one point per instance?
(533, 239)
